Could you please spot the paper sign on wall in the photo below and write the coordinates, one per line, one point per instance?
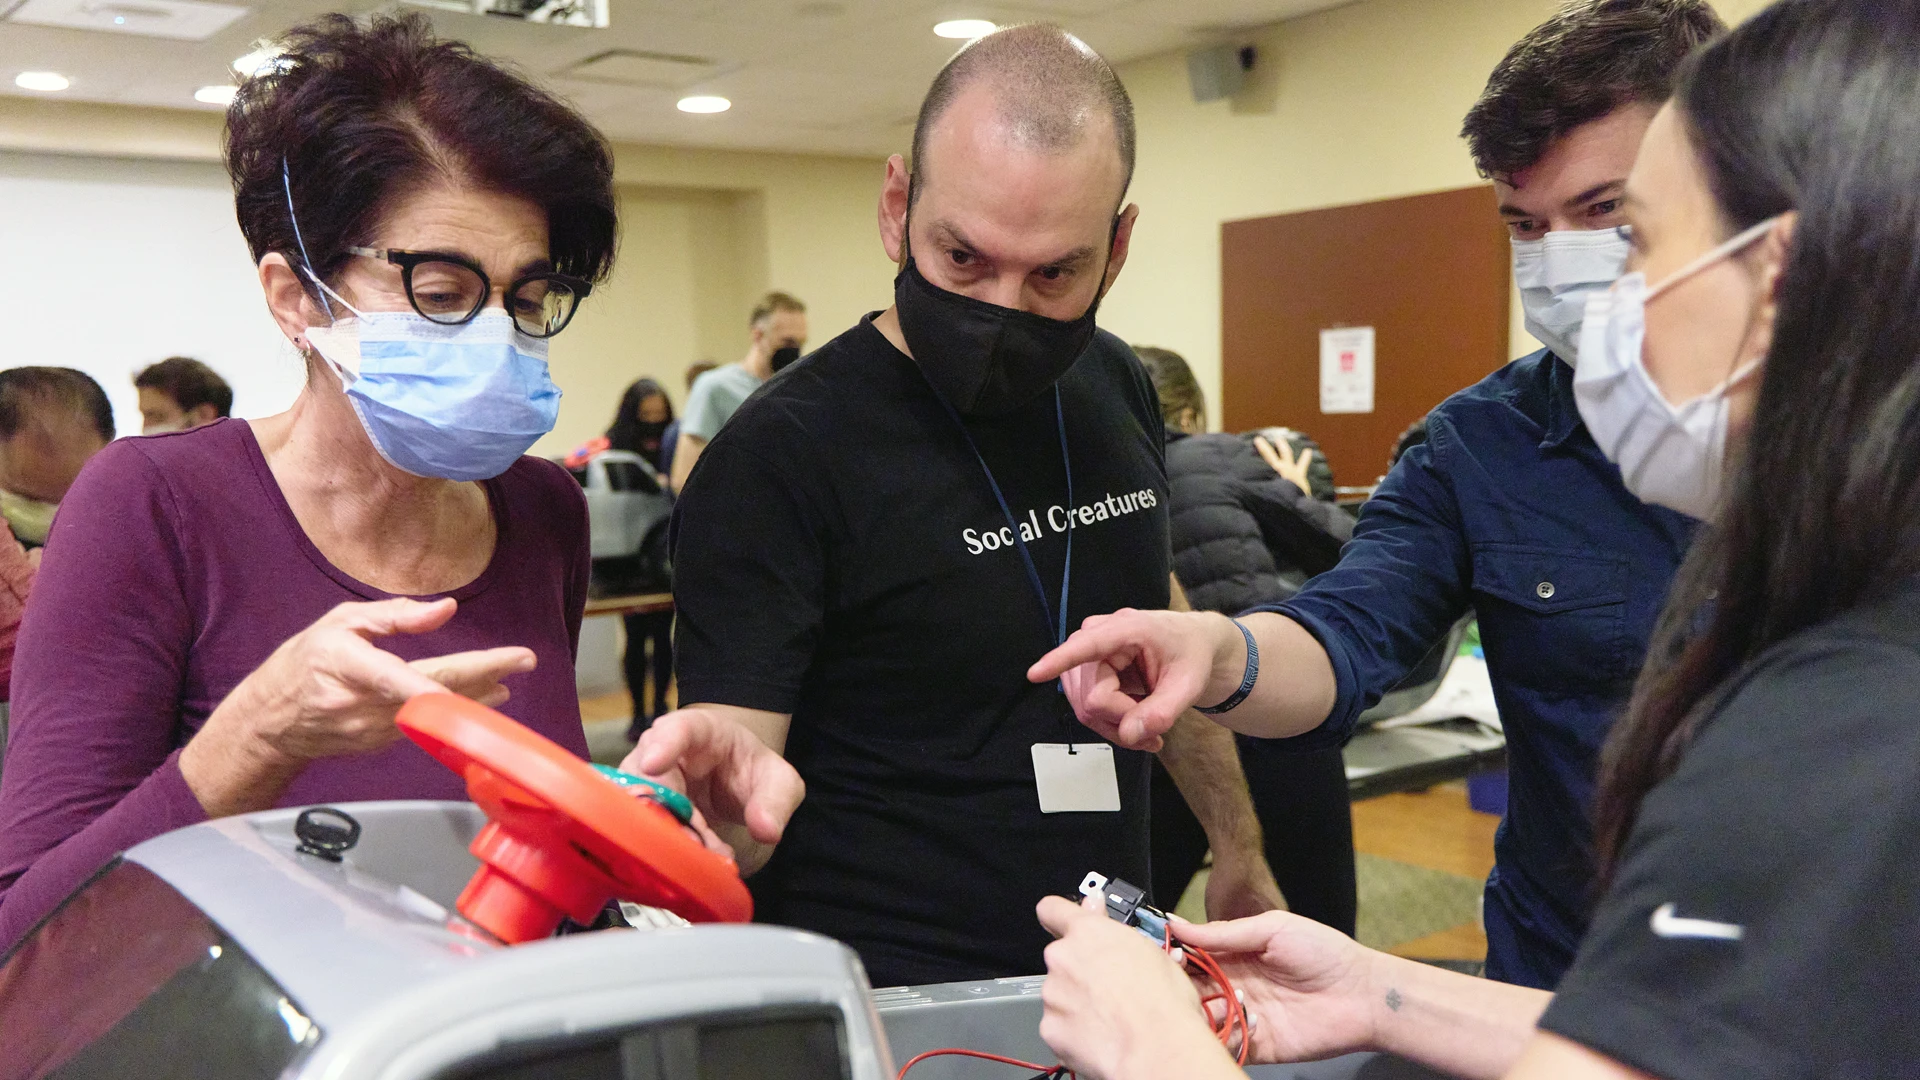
(1346, 370)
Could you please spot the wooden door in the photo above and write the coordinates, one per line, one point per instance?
(1430, 273)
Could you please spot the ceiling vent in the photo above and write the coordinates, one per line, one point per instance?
(587, 13)
(183, 20)
(634, 67)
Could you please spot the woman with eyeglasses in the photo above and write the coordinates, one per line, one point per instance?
(232, 616)
(1758, 807)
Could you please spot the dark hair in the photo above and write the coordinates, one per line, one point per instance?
(1590, 58)
(699, 368)
(625, 432)
(1811, 106)
(27, 390)
(772, 302)
(1047, 79)
(1415, 435)
(1173, 380)
(361, 115)
(189, 383)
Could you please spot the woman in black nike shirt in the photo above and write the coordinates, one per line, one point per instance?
(1760, 803)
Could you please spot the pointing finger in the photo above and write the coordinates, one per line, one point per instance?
(1085, 647)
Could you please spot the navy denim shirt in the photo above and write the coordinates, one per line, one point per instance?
(1511, 510)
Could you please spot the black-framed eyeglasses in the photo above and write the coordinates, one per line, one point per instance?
(450, 290)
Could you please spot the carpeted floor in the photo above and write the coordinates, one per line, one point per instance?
(1399, 902)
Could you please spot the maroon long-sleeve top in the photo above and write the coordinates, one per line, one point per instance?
(174, 568)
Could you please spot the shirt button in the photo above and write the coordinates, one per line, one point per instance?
(1544, 590)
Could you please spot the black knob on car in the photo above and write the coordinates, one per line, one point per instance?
(326, 832)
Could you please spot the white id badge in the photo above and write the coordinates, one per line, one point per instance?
(1076, 778)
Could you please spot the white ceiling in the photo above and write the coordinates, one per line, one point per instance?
(817, 76)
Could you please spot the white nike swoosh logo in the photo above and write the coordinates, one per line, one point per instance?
(1668, 925)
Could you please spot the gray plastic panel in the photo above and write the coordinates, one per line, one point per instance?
(368, 949)
(1003, 1017)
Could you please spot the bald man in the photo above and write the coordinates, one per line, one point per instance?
(871, 553)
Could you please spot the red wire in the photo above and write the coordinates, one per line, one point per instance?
(918, 1058)
(1234, 1017)
(1232, 1022)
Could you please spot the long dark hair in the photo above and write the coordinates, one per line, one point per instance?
(626, 432)
(1811, 106)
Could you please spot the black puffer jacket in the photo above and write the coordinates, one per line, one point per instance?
(1242, 535)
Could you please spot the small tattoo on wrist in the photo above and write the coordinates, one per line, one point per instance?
(1393, 1000)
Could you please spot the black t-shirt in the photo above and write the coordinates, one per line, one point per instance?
(1765, 918)
(839, 555)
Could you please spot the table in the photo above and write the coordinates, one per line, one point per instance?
(638, 604)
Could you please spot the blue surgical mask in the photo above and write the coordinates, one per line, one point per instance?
(457, 402)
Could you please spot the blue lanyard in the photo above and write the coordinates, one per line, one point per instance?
(1056, 627)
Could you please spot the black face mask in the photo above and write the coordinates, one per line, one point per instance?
(784, 355)
(984, 359)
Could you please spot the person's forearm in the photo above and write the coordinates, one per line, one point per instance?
(1295, 690)
(226, 769)
(58, 864)
(1205, 765)
(1178, 1049)
(1461, 1025)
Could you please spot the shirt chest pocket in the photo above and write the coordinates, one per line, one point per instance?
(1554, 619)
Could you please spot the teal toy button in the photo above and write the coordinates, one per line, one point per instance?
(674, 802)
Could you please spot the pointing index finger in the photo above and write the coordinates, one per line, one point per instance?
(1085, 646)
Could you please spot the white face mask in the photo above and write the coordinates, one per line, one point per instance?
(1672, 457)
(1557, 274)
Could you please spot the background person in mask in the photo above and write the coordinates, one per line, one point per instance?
(1758, 806)
(203, 636)
(880, 541)
(52, 421)
(777, 333)
(1509, 509)
(179, 394)
(639, 426)
(670, 438)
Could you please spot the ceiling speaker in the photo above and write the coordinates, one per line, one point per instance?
(1218, 72)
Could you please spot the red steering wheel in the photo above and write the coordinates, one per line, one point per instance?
(561, 839)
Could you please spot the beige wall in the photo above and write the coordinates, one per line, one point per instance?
(1358, 103)
(704, 233)
(648, 318)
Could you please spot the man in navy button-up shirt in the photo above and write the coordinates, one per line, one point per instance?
(1509, 510)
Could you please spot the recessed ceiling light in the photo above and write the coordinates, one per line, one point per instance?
(256, 62)
(705, 103)
(216, 95)
(46, 82)
(965, 29)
